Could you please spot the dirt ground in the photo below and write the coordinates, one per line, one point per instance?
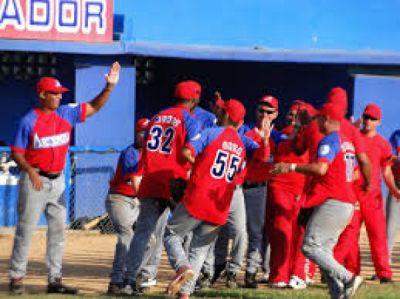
(88, 259)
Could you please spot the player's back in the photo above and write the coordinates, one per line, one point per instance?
(162, 155)
(211, 184)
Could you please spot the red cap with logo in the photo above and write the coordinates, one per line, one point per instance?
(50, 84)
(269, 100)
(188, 90)
(338, 97)
(332, 111)
(141, 124)
(373, 110)
(235, 109)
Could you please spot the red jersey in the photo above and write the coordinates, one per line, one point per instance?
(257, 171)
(128, 166)
(379, 153)
(44, 138)
(292, 181)
(336, 183)
(308, 139)
(220, 154)
(166, 136)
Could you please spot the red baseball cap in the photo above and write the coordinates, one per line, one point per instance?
(373, 110)
(332, 111)
(338, 96)
(269, 100)
(219, 103)
(141, 124)
(235, 109)
(188, 90)
(50, 84)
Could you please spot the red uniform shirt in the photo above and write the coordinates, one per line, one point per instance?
(167, 134)
(335, 184)
(44, 138)
(292, 181)
(379, 153)
(128, 166)
(220, 154)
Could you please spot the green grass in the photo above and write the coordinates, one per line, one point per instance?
(368, 291)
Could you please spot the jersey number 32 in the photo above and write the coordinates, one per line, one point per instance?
(225, 166)
(161, 139)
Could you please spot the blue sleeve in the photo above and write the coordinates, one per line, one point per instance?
(277, 136)
(21, 138)
(193, 127)
(129, 160)
(243, 129)
(250, 146)
(206, 118)
(200, 141)
(71, 112)
(395, 141)
(329, 147)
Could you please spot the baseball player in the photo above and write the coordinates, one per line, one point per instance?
(167, 134)
(40, 148)
(284, 193)
(371, 203)
(332, 200)
(392, 204)
(122, 204)
(220, 153)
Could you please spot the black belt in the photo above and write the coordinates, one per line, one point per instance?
(49, 175)
(248, 185)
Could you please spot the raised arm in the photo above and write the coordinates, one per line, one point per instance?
(111, 80)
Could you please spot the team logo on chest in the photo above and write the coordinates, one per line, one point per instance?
(50, 141)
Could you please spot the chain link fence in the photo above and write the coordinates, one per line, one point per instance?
(87, 172)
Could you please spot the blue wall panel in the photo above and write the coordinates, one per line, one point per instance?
(277, 24)
(383, 91)
(112, 126)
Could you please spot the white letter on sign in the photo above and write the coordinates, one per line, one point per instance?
(40, 15)
(94, 12)
(68, 16)
(11, 15)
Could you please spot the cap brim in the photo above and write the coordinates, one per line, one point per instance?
(58, 90)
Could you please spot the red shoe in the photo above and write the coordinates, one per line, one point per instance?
(183, 275)
(183, 296)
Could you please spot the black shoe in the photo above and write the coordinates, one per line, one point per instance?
(218, 272)
(231, 280)
(56, 287)
(16, 286)
(203, 282)
(386, 280)
(250, 281)
(115, 288)
(373, 277)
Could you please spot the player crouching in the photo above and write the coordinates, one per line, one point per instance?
(220, 152)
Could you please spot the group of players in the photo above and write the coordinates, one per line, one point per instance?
(289, 198)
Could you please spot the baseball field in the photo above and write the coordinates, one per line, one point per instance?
(88, 259)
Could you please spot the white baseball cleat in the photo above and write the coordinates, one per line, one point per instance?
(150, 282)
(297, 283)
(351, 287)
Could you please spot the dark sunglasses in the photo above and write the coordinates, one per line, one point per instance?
(262, 111)
(368, 117)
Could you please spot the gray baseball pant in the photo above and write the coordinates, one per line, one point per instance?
(235, 229)
(31, 204)
(323, 229)
(152, 213)
(204, 234)
(124, 211)
(392, 219)
(255, 200)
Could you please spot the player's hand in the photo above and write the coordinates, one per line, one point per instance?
(36, 180)
(113, 75)
(266, 128)
(366, 187)
(280, 168)
(356, 122)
